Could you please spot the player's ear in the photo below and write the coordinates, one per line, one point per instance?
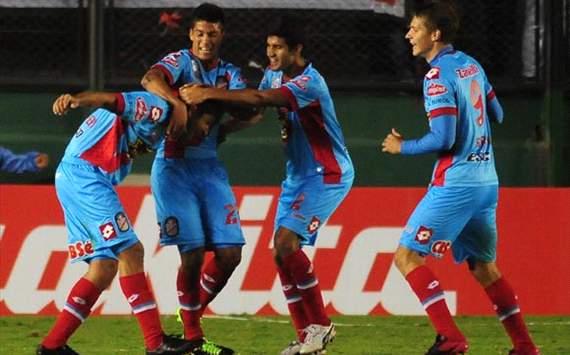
(436, 35)
(298, 49)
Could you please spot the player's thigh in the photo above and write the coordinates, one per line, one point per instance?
(437, 221)
(304, 206)
(177, 204)
(97, 225)
(219, 209)
(478, 240)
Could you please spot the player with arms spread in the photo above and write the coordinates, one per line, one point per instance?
(319, 171)
(196, 207)
(458, 213)
(98, 157)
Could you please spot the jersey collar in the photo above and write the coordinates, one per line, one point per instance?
(445, 50)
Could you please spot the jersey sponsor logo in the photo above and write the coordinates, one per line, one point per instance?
(171, 228)
(440, 101)
(483, 156)
(467, 72)
(122, 222)
(155, 113)
(107, 231)
(435, 89)
(314, 225)
(79, 249)
(172, 59)
(440, 247)
(433, 73)
(90, 121)
(140, 109)
(423, 235)
(483, 140)
(79, 133)
(301, 82)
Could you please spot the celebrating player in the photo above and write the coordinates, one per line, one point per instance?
(196, 207)
(98, 157)
(458, 211)
(319, 171)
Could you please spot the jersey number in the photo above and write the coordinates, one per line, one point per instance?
(477, 101)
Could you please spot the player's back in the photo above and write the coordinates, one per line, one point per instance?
(461, 82)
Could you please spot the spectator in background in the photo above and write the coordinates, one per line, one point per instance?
(22, 163)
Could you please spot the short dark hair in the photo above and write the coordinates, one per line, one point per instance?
(291, 29)
(209, 13)
(439, 15)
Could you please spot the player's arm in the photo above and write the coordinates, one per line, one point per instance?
(197, 94)
(155, 81)
(441, 137)
(87, 98)
(494, 108)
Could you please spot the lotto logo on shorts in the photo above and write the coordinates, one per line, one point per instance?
(440, 247)
(314, 225)
(80, 249)
(108, 231)
(424, 235)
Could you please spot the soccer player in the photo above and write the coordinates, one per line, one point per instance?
(319, 171)
(98, 157)
(458, 211)
(22, 163)
(196, 207)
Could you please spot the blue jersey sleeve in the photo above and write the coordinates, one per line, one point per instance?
(142, 106)
(303, 90)
(441, 137)
(17, 163)
(173, 66)
(494, 108)
(439, 94)
(236, 79)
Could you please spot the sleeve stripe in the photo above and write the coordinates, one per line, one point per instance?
(491, 95)
(120, 103)
(290, 97)
(443, 111)
(165, 71)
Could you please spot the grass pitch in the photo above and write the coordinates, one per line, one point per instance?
(249, 335)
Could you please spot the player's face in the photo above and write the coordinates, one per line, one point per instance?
(278, 52)
(421, 38)
(206, 40)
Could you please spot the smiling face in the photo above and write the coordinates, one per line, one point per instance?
(280, 56)
(425, 42)
(206, 40)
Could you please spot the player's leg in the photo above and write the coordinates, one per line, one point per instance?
(217, 271)
(188, 288)
(431, 230)
(479, 240)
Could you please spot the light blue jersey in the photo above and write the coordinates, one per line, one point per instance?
(457, 85)
(312, 134)
(183, 68)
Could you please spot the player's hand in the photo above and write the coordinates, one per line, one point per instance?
(42, 161)
(63, 103)
(393, 142)
(193, 94)
(178, 121)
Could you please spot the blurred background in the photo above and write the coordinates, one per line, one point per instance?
(49, 47)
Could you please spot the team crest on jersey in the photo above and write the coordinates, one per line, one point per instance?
(314, 225)
(140, 109)
(301, 82)
(107, 231)
(440, 247)
(435, 89)
(276, 83)
(433, 73)
(172, 59)
(423, 235)
(171, 228)
(467, 72)
(155, 113)
(122, 222)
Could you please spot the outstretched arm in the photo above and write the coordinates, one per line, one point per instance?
(441, 137)
(88, 98)
(196, 94)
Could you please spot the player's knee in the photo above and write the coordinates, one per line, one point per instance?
(485, 273)
(229, 259)
(192, 260)
(102, 272)
(285, 242)
(407, 260)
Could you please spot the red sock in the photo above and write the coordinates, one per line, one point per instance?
(81, 298)
(212, 281)
(427, 288)
(190, 308)
(301, 270)
(294, 303)
(505, 303)
(136, 290)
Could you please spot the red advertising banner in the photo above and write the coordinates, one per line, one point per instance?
(352, 257)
